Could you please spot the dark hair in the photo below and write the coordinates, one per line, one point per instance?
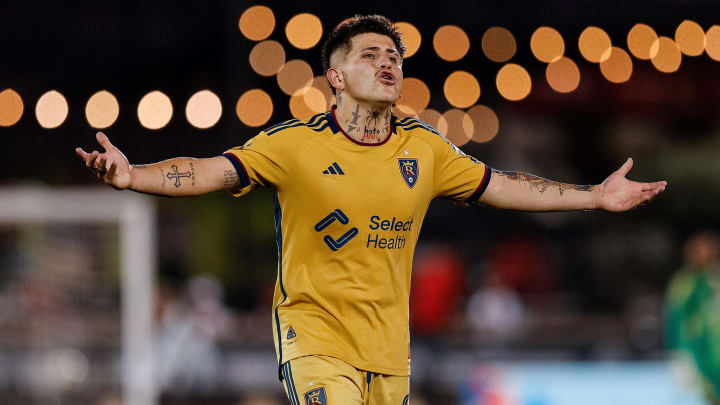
(359, 24)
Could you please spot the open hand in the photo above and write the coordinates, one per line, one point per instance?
(617, 193)
(111, 167)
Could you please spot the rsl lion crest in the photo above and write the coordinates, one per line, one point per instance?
(316, 397)
(409, 171)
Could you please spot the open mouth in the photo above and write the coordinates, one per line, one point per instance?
(386, 77)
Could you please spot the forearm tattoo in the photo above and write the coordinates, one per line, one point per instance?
(231, 179)
(541, 185)
(162, 176)
(177, 176)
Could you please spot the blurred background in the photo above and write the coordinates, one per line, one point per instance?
(507, 308)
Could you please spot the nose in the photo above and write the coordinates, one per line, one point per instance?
(385, 62)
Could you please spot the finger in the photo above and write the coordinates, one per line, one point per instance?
(82, 154)
(654, 186)
(103, 140)
(625, 168)
(91, 161)
(111, 171)
(101, 166)
(651, 195)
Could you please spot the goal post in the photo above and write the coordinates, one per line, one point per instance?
(135, 216)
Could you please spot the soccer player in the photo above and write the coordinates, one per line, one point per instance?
(352, 187)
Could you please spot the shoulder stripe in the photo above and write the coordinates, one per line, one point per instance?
(280, 124)
(319, 122)
(313, 120)
(431, 129)
(408, 121)
(320, 129)
(297, 124)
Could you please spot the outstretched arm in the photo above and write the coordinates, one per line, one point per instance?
(178, 177)
(526, 192)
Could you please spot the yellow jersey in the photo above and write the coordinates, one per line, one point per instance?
(347, 219)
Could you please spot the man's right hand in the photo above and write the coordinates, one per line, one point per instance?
(111, 167)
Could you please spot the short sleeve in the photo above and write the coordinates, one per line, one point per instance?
(459, 177)
(262, 161)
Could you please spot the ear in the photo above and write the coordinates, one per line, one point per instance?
(335, 77)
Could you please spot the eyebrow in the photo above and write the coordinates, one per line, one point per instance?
(377, 48)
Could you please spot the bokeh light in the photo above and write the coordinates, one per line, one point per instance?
(314, 99)
(11, 107)
(294, 75)
(594, 43)
(435, 119)
(499, 44)
(459, 127)
(667, 53)
(254, 108)
(547, 44)
(451, 43)
(563, 75)
(51, 109)
(485, 123)
(461, 89)
(690, 37)
(617, 67)
(411, 38)
(712, 42)
(304, 31)
(301, 109)
(267, 57)
(155, 110)
(319, 83)
(257, 23)
(513, 82)
(204, 109)
(102, 109)
(640, 40)
(415, 97)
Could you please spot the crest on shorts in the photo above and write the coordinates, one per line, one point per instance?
(409, 171)
(316, 397)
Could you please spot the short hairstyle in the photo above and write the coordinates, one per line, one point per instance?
(341, 36)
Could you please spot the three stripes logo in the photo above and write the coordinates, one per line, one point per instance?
(334, 169)
(337, 215)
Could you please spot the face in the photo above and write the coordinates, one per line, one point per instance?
(372, 69)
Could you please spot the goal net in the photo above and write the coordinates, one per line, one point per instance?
(76, 296)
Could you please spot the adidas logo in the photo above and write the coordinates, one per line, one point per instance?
(334, 169)
(291, 333)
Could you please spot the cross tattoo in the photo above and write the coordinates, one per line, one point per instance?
(175, 175)
(356, 114)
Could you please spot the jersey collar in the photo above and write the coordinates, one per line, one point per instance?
(337, 128)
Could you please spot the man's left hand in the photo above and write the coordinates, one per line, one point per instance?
(617, 193)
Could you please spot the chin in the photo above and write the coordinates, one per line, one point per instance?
(389, 98)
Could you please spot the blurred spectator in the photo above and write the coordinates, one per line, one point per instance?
(496, 310)
(693, 312)
(521, 262)
(437, 285)
(189, 323)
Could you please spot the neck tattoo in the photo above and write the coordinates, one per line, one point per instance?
(376, 124)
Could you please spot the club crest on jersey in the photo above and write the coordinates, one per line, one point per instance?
(316, 397)
(409, 171)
